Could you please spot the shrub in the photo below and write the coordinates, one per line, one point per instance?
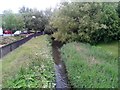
(88, 22)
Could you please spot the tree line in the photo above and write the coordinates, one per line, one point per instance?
(86, 22)
(27, 19)
(90, 22)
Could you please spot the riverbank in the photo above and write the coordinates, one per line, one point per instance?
(31, 64)
(91, 66)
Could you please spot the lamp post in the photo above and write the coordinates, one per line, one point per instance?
(33, 17)
(25, 28)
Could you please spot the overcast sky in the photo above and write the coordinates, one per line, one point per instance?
(15, 5)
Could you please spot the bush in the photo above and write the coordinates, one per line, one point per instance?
(86, 22)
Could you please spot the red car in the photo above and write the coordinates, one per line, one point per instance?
(7, 32)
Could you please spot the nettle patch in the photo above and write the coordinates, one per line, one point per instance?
(38, 75)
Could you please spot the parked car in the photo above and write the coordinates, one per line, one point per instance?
(24, 32)
(17, 33)
(7, 32)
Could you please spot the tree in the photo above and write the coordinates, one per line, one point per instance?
(118, 9)
(20, 24)
(86, 22)
(12, 21)
(9, 20)
(37, 23)
(48, 28)
(111, 20)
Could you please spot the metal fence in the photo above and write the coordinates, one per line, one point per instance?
(10, 47)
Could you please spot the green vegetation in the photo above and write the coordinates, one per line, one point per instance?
(31, 65)
(111, 47)
(12, 21)
(90, 66)
(90, 22)
(87, 22)
(27, 19)
(10, 39)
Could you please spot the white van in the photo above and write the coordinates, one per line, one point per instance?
(17, 33)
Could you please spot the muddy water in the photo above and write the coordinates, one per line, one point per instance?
(60, 70)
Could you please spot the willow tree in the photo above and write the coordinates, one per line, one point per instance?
(87, 22)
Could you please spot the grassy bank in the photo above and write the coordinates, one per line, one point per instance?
(111, 47)
(30, 65)
(90, 66)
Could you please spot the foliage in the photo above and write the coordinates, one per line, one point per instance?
(37, 23)
(48, 28)
(111, 20)
(37, 75)
(31, 64)
(64, 33)
(86, 22)
(90, 66)
(12, 21)
(118, 9)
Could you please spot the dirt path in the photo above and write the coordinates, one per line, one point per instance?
(60, 70)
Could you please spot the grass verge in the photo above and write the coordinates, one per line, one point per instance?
(90, 66)
(30, 65)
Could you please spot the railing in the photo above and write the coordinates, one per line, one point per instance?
(4, 50)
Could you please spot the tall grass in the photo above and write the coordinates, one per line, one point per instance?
(90, 66)
(30, 65)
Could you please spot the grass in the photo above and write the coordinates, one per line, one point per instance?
(90, 66)
(111, 47)
(30, 65)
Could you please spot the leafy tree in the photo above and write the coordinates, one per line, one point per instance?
(111, 20)
(118, 9)
(37, 23)
(48, 28)
(86, 22)
(12, 21)
(9, 20)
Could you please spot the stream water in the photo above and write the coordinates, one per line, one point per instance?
(60, 70)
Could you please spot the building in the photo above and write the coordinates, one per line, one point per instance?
(1, 31)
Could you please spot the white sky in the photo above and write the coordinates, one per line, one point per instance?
(15, 5)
